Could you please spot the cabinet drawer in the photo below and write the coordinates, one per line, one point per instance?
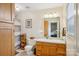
(61, 45)
(38, 47)
(46, 44)
(51, 44)
(40, 43)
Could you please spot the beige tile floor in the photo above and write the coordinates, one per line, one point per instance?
(24, 53)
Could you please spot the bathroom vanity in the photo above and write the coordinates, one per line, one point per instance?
(45, 47)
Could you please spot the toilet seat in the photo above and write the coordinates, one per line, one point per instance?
(28, 47)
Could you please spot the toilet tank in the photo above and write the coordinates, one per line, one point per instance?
(31, 42)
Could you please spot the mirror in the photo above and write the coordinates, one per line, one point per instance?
(52, 27)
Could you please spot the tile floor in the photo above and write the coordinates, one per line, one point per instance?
(24, 53)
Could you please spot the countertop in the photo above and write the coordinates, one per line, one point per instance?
(54, 40)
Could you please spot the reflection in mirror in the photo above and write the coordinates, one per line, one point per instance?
(52, 27)
(53, 30)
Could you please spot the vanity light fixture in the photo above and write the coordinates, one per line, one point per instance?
(55, 15)
(50, 15)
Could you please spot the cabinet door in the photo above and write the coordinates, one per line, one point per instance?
(44, 50)
(5, 41)
(6, 29)
(5, 12)
(61, 49)
(52, 50)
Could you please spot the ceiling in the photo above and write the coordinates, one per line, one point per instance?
(36, 6)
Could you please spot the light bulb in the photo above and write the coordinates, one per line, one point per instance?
(55, 15)
(46, 16)
(50, 15)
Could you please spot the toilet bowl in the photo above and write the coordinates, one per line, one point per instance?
(28, 49)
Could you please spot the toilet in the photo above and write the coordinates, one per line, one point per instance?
(29, 47)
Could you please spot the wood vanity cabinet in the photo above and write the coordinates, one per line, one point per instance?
(7, 12)
(50, 49)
